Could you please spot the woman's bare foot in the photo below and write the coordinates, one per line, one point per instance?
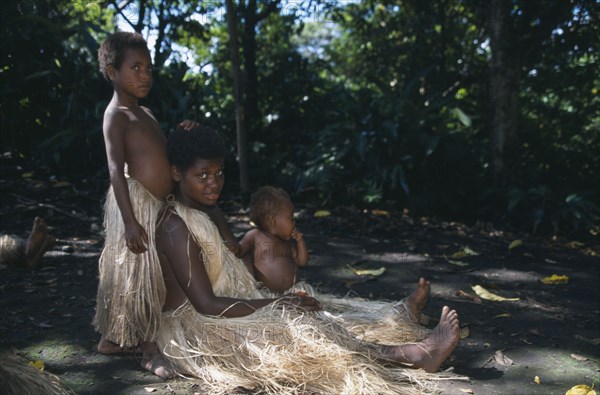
(154, 362)
(430, 353)
(416, 301)
(38, 242)
(108, 347)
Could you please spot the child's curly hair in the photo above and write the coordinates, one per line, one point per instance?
(184, 147)
(266, 200)
(112, 50)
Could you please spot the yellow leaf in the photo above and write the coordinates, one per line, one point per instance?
(382, 213)
(555, 279)
(322, 213)
(485, 294)
(581, 389)
(464, 332)
(466, 251)
(368, 272)
(579, 357)
(515, 244)
(537, 380)
(61, 184)
(38, 364)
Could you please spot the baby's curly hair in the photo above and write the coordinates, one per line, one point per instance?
(112, 50)
(266, 200)
(201, 142)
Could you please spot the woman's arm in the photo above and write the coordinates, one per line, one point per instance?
(185, 258)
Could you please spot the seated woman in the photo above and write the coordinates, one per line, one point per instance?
(218, 325)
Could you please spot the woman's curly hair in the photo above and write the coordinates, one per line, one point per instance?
(184, 147)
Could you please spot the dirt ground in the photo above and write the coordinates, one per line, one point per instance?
(550, 332)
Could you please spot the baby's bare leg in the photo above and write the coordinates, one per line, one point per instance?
(430, 353)
(38, 242)
(154, 362)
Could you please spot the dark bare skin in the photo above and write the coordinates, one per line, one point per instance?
(136, 146)
(38, 243)
(199, 187)
(275, 256)
(186, 278)
(274, 260)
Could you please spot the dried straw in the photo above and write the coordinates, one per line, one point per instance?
(131, 291)
(279, 349)
(17, 377)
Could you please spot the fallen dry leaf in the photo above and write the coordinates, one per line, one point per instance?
(515, 244)
(38, 364)
(466, 251)
(555, 279)
(579, 357)
(322, 213)
(537, 380)
(368, 272)
(502, 359)
(581, 389)
(485, 294)
(464, 332)
(382, 213)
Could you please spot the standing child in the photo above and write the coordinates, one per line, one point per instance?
(275, 256)
(131, 290)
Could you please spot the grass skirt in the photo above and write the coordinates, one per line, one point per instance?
(12, 250)
(131, 291)
(17, 377)
(278, 349)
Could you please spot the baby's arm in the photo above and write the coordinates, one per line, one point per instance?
(114, 128)
(299, 251)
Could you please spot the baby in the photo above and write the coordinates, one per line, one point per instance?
(275, 257)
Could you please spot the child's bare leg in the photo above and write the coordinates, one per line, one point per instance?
(38, 242)
(105, 346)
(430, 353)
(416, 301)
(154, 362)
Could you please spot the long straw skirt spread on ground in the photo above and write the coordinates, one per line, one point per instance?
(279, 349)
(17, 377)
(131, 291)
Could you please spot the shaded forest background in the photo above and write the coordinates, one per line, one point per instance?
(466, 110)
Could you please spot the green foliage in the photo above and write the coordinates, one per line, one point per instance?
(371, 103)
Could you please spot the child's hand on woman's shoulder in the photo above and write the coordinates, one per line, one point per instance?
(188, 124)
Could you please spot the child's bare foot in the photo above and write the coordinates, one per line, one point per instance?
(108, 347)
(154, 362)
(416, 301)
(430, 353)
(38, 242)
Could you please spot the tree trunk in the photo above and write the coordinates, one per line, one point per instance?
(240, 125)
(251, 77)
(504, 89)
